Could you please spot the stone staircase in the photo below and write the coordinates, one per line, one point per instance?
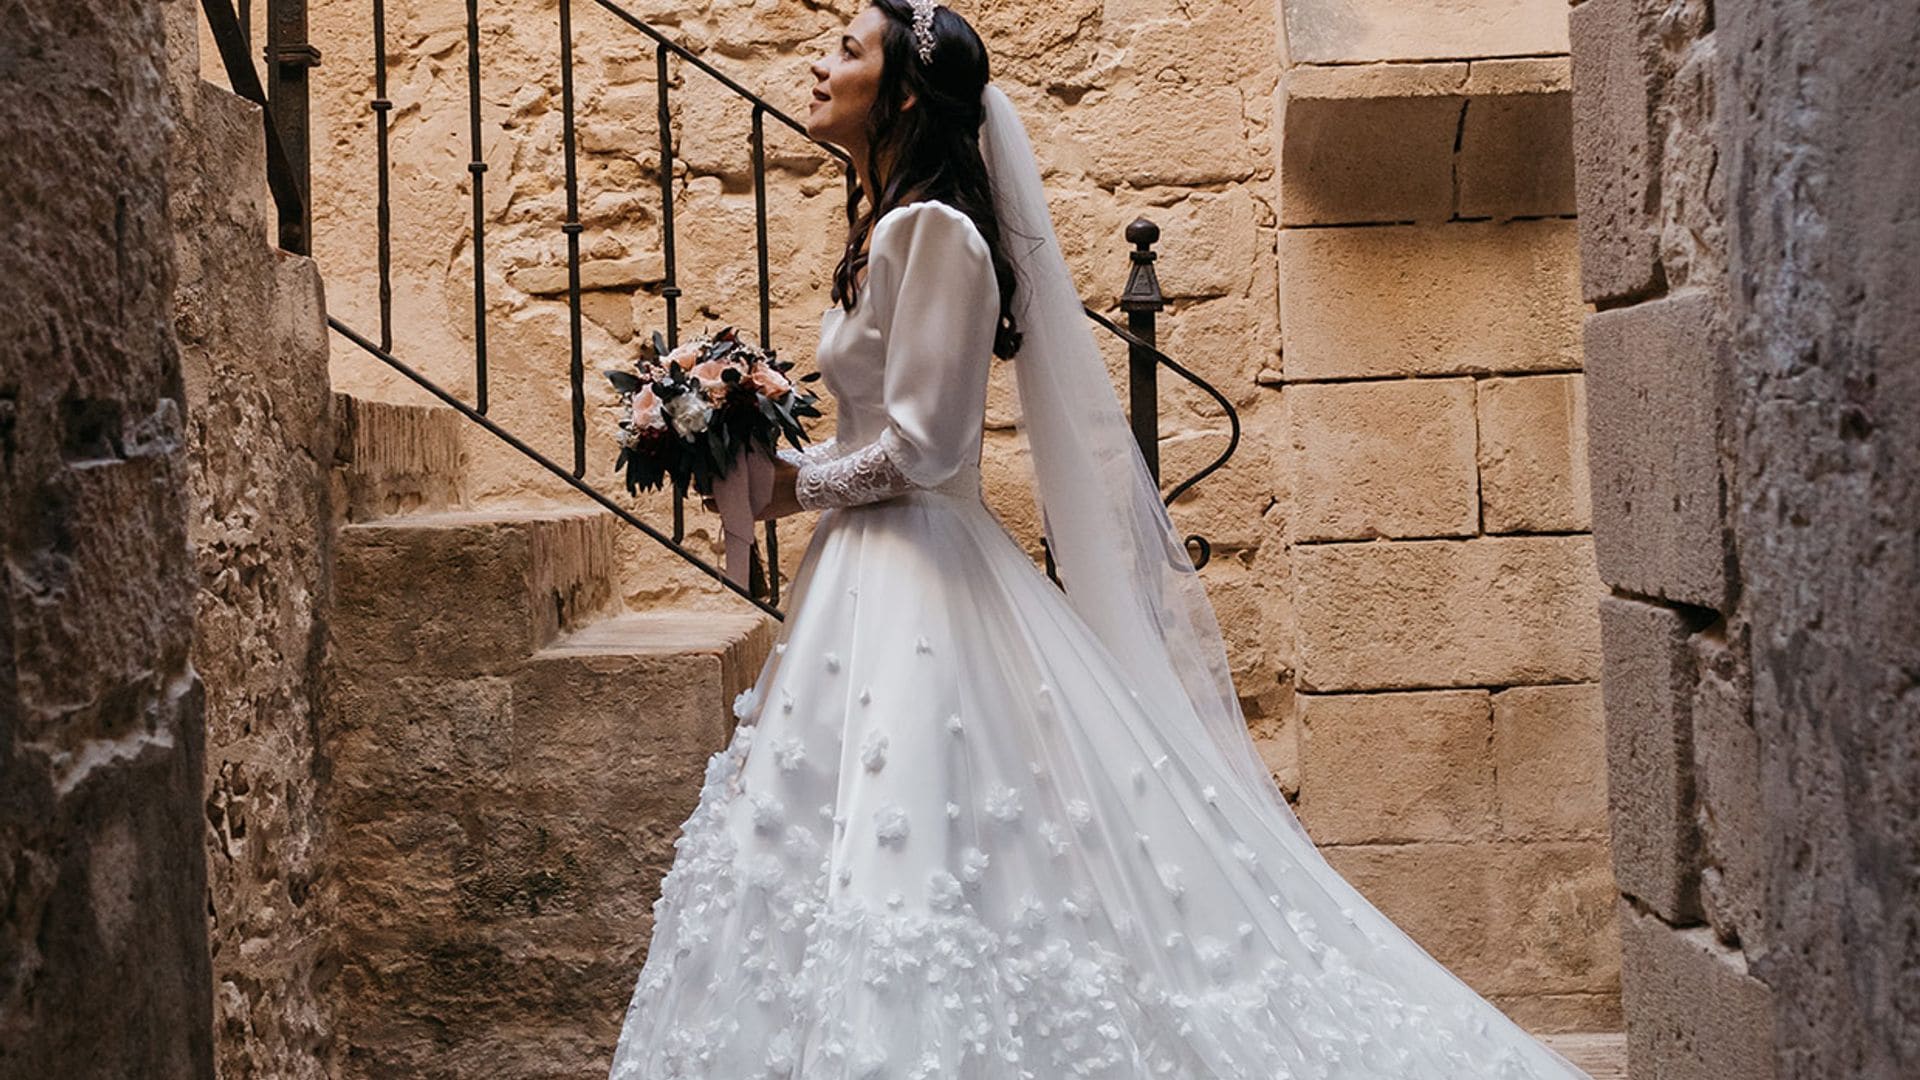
(512, 757)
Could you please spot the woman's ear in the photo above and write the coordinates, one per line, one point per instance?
(909, 101)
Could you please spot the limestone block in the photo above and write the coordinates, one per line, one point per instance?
(1533, 454)
(468, 591)
(1430, 300)
(1392, 458)
(394, 459)
(1394, 768)
(1494, 611)
(1516, 157)
(417, 741)
(1693, 1011)
(1509, 919)
(1165, 134)
(1346, 31)
(1616, 159)
(1350, 160)
(1732, 818)
(1650, 797)
(1550, 757)
(1654, 417)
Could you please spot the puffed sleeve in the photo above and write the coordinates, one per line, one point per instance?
(931, 279)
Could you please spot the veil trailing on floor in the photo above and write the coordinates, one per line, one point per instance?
(1125, 569)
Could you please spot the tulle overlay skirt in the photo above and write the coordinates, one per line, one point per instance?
(945, 841)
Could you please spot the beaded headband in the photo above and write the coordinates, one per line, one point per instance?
(923, 28)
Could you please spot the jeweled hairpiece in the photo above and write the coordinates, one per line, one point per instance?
(923, 28)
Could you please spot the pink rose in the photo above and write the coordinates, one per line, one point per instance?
(770, 382)
(646, 409)
(685, 356)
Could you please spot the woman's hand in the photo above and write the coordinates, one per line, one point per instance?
(784, 500)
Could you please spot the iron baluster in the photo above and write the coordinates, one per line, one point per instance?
(476, 171)
(383, 208)
(671, 288)
(289, 56)
(576, 364)
(1142, 302)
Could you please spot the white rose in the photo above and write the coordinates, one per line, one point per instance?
(689, 413)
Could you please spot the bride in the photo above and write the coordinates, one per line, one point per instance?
(970, 827)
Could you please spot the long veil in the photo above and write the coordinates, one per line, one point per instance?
(1125, 569)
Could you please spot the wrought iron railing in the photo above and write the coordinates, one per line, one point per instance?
(288, 56)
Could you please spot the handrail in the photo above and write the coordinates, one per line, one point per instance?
(576, 483)
(291, 200)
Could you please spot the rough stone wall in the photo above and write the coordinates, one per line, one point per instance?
(103, 942)
(1448, 720)
(1748, 232)
(260, 431)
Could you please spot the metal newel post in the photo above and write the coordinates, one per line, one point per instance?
(288, 56)
(1142, 302)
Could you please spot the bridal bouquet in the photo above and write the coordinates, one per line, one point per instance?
(695, 414)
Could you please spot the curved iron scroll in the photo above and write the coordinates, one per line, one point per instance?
(1233, 420)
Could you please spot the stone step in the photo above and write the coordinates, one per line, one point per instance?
(502, 837)
(468, 592)
(1603, 1055)
(392, 459)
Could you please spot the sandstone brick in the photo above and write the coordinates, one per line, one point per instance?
(1693, 1011)
(1550, 753)
(1393, 459)
(1343, 31)
(1654, 418)
(1731, 814)
(418, 740)
(468, 592)
(1580, 1015)
(1647, 685)
(1533, 454)
(1391, 768)
(1166, 134)
(1352, 160)
(1516, 156)
(1429, 300)
(1408, 614)
(1519, 920)
(1615, 152)
(394, 459)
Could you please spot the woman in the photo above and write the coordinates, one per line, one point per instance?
(969, 827)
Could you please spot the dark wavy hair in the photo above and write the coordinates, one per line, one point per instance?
(932, 150)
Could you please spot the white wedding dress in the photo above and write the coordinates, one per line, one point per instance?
(948, 840)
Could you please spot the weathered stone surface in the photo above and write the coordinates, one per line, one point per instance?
(1549, 753)
(1516, 156)
(1390, 458)
(1440, 300)
(394, 459)
(1615, 151)
(1347, 160)
(261, 434)
(1653, 421)
(1330, 32)
(1693, 1012)
(1407, 614)
(1731, 809)
(504, 583)
(1648, 686)
(102, 716)
(1819, 148)
(1392, 768)
(1533, 454)
(1509, 919)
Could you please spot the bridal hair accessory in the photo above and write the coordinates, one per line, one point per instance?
(923, 28)
(1125, 569)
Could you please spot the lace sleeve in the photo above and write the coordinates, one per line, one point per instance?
(868, 474)
(824, 450)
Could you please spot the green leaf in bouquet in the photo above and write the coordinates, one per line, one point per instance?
(660, 344)
(624, 381)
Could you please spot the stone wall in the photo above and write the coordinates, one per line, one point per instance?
(260, 436)
(1448, 718)
(103, 945)
(1749, 234)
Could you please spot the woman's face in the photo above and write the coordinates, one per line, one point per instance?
(845, 82)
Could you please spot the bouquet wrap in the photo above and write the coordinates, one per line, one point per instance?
(740, 493)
